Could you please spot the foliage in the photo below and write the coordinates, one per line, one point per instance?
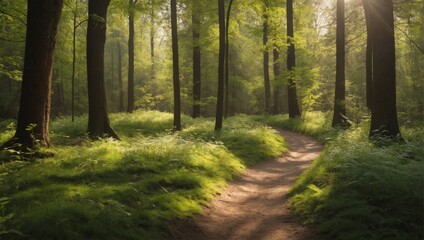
(147, 101)
(7, 130)
(315, 54)
(356, 190)
(126, 189)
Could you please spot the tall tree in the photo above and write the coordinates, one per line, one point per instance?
(34, 109)
(195, 20)
(176, 67)
(120, 81)
(277, 88)
(339, 115)
(227, 60)
(74, 56)
(220, 99)
(383, 103)
(152, 38)
(76, 24)
(294, 111)
(131, 12)
(98, 120)
(267, 83)
(112, 77)
(368, 55)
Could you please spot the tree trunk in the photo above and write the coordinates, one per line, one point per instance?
(74, 33)
(384, 114)
(267, 83)
(120, 82)
(196, 62)
(42, 21)
(277, 87)
(98, 120)
(56, 104)
(339, 115)
(227, 61)
(112, 79)
(368, 61)
(176, 68)
(220, 99)
(294, 111)
(58, 98)
(152, 39)
(130, 106)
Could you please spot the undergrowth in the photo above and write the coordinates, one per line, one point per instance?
(356, 190)
(129, 189)
(133, 188)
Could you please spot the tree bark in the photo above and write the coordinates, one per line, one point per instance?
(152, 40)
(112, 78)
(267, 84)
(42, 21)
(98, 120)
(196, 61)
(277, 87)
(176, 68)
(294, 111)
(74, 36)
(339, 115)
(220, 99)
(384, 120)
(56, 104)
(369, 53)
(120, 82)
(227, 61)
(130, 106)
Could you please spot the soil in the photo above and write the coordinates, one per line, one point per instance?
(256, 205)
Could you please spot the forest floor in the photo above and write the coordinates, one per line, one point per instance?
(256, 205)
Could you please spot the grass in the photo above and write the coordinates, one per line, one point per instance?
(127, 189)
(137, 186)
(356, 190)
(315, 124)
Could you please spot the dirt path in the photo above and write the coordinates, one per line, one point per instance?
(256, 206)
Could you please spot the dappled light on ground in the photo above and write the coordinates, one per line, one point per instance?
(256, 205)
(109, 189)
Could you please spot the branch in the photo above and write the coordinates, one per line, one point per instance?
(79, 24)
(354, 38)
(411, 40)
(14, 17)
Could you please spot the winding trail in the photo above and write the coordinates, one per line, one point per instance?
(256, 205)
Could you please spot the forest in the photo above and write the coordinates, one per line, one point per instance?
(201, 119)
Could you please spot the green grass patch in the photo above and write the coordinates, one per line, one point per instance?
(132, 188)
(314, 124)
(356, 190)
